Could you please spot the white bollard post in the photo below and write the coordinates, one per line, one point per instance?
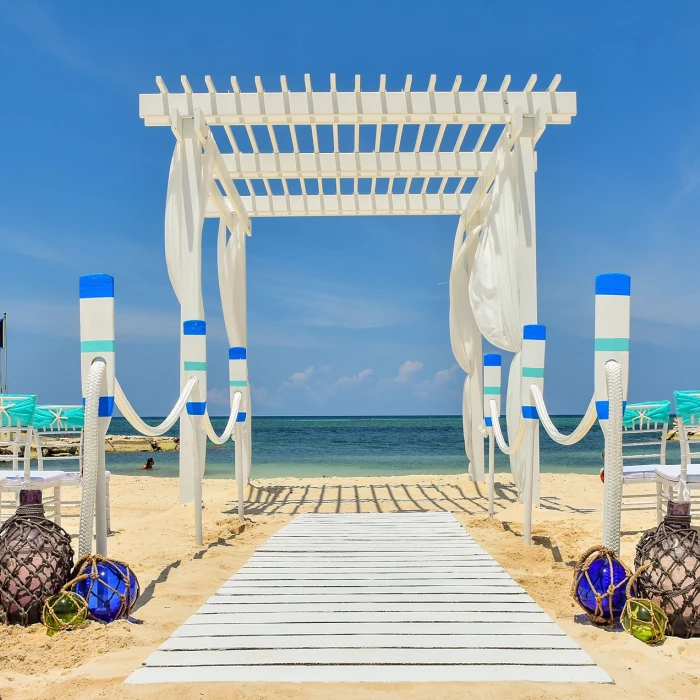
(534, 337)
(194, 364)
(492, 392)
(612, 342)
(238, 380)
(97, 340)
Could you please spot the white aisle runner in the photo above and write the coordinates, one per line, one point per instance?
(373, 597)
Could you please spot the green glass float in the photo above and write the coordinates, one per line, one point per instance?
(644, 620)
(64, 611)
(641, 618)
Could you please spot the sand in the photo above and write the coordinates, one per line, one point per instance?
(154, 534)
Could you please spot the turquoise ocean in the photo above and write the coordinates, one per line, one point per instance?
(362, 446)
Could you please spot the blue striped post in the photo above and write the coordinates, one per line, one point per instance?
(533, 351)
(193, 441)
(194, 364)
(97, 340)
(238, 378)
(238, 381)
(492, 392)
(612, 343)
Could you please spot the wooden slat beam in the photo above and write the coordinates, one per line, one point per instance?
(352, 205)
(338, 164)
(358, 107)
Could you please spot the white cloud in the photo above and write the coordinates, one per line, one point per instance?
(406, 372)
(299, 379)
(354, 379)
(445, 380)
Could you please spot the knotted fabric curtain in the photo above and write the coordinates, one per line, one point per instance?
(485, 300)
(466, 346)
(189, 183)
(494, 287)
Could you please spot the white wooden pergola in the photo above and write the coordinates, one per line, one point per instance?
(333, 152)
(420, 173)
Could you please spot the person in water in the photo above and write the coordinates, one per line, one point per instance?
(149, 463)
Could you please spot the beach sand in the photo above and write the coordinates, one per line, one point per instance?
(154, 534)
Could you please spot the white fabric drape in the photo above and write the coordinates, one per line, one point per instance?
(466, 346)
(230, 260)
(189, 184)
(494, 285)
(184, 220)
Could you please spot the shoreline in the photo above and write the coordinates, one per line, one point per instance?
(131, 444)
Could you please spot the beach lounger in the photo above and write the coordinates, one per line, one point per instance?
(668, 477)
(16, 421)
(644, 434)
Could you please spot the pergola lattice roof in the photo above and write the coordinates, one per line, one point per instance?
(352, 153)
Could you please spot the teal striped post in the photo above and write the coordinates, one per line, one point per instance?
(97, 340)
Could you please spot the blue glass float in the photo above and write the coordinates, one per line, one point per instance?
(109, 588)
(133, 587)
(600, 584)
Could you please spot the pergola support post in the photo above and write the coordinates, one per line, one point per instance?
(527, 255)
(193, 330)
(238, 368)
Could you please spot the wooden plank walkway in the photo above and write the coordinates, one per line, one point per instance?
(370, 597)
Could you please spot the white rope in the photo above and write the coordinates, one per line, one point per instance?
(682, 491)
(613, 458)
(91, 449)
(577, 434)
(152, 430)
(237, 398)
(496, 425)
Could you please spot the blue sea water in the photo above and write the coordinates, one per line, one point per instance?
(362, 446)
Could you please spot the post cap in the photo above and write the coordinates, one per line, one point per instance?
(613, 284)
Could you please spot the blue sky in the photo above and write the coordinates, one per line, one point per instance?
(346, 316)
